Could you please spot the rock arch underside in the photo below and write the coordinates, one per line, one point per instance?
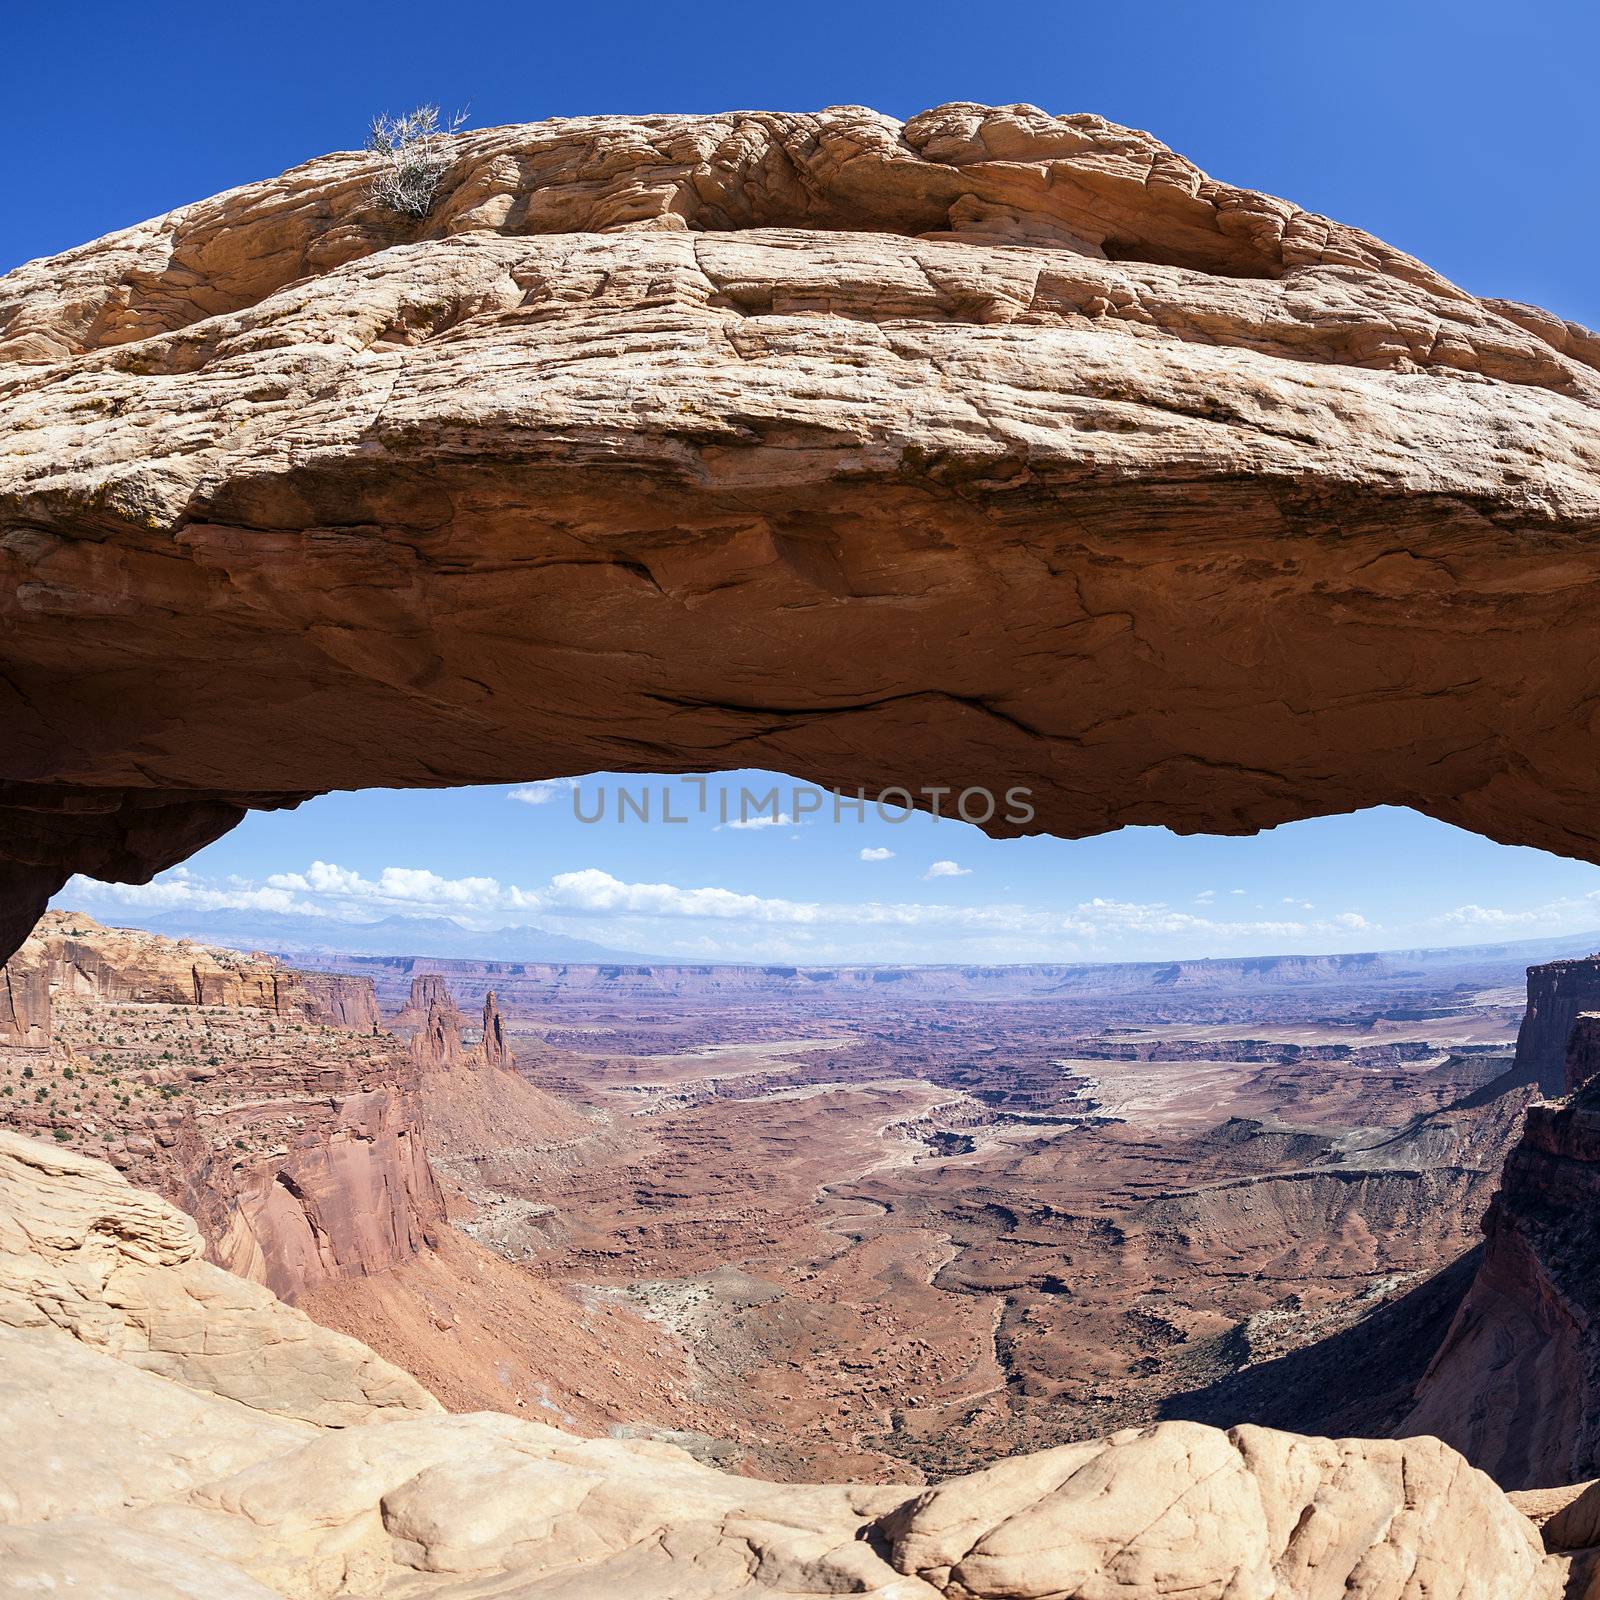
(986, 446)
(986, 449)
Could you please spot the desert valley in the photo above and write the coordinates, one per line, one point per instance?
(878, 1223)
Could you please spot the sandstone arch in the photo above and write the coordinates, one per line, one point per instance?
(987, 446)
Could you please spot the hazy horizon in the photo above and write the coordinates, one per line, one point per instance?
(778, 885)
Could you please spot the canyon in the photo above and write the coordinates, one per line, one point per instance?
(312, 1469)
(888, 1224)
(987, 1259)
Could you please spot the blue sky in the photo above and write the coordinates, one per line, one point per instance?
(1464, 133)
(774, 883)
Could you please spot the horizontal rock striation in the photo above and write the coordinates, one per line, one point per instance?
(1515, 1385)
(118, 1269)
(185, 1485)
(263, 1100)
(1558, 992)
(986, 449)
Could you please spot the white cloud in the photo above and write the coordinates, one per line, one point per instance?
(1205, 897)
(1304, 905)
(1236, 891)
(765, 820)
(174, 892)
(947, 869)
(875, 852)
(543, 792)
(710, 920)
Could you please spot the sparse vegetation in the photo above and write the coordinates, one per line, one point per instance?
(415, 150)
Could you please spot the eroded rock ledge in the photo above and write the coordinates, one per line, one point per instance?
(991, 448)
(175, 1431)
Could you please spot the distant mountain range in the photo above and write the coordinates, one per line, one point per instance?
(442, 937)
(283, 932)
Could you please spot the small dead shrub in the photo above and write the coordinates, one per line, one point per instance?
(415, 151)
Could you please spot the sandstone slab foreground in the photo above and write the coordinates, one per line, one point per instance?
(989, 448)
(173, 1431)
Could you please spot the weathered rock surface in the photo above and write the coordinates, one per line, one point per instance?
(120, 1271)
(494, 1047)
(72, 955)
(1515, 1386)
(259, 1098)
(178, 1488)
(1558, 992)
(988, 446)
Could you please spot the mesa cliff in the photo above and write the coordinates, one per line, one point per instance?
(1558, 992)
(302, 1138)
(1050, 456)
(263, 1100)
(237, 1449)
(1516, 1383)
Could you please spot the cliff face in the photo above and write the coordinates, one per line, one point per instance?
(337, 1471)
(71, 955)
(1515, 1386)
(261, 1099)
(1048, 455)
(1557, 992)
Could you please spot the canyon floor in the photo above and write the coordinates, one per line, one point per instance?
(865, 1225)
(903, 1236)
(929, 1239)
(678, 1246)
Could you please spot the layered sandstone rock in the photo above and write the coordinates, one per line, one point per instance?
(1515, 1386)
(72, 955)
(1558, 992)
(429, 991)
(181, 1487)
(120, 1271)
(436, 1045)
(257, 1097)
(493, 1047)
(989, 448)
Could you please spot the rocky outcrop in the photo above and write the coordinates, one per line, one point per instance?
(259, 1098)
(429, 990)
(1048, 455)
(120, 1271)
(341, 1001)
(151, 1477)
(352, 1195)
(24, 1003)
(493, 1047)
(73, 955)
(1557, 992)
(436, 1020)
(436, 1045)
(1515, 1385)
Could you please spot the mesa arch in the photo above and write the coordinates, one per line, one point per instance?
(990, 448)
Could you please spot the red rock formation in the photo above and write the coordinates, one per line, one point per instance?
(1048, 457)
(255, 1096)
(73, 955)
(348, 1194)
(494, 1049)
(1516, 1383)
(1557, 992)
(428, 989)
(436, 1046)
(25, 1003)
(341, 1001)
